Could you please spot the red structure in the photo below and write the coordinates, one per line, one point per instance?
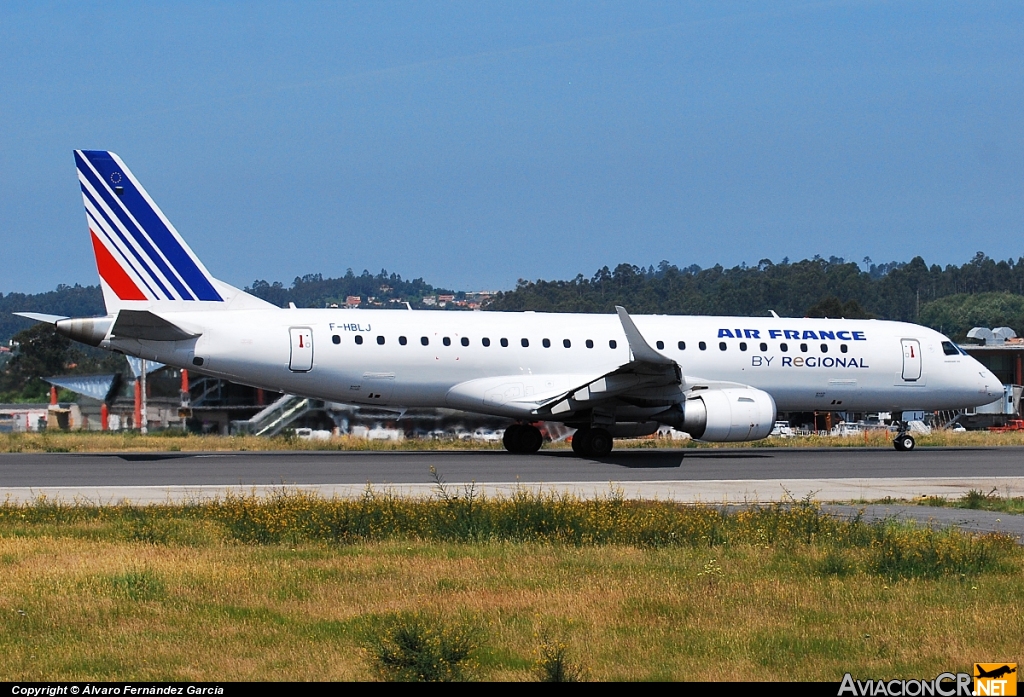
(138, 404)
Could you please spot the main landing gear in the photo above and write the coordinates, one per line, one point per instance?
(903, 440)
(592, 442)
(522, 438)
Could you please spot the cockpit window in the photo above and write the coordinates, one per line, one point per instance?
(950, 349)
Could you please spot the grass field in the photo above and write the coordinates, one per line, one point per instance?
(294, 587)
(132, 441)
(978, 500)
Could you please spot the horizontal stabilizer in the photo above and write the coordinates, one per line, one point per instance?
(40, 317)
(143, 324)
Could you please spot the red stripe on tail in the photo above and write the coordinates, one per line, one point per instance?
(111, 272)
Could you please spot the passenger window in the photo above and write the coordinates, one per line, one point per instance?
(803, 348)
(446, 341)
(465, 341)
(525, 343)
(547, 343)
(485, 341)
(764, 346)
(613, 344)
(743, 346)
(336, 339)
(824, 348)
(402, 340)
(504, 343)
(660, 345)
(844, 348)
(566, 343)
(682, 345)
(380, 340)
(590, 343)
(702, 346)
(783, 347)
(722, 346)
(425, 341)
(359, 338)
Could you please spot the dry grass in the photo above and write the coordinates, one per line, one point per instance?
(131, 441)
(243, 613)
(86, 593)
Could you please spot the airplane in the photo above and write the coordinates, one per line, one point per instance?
(608, 376)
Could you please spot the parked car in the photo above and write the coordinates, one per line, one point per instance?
(487, 435)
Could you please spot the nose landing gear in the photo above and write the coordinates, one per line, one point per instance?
(903, 441)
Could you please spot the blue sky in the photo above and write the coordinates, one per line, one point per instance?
(473, 144)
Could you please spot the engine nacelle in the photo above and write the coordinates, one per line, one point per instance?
(88, 330)
(724, 415)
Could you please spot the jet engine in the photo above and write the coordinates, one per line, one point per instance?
(723, 415)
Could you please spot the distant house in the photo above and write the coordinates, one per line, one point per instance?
(430, 300)
(353, 301)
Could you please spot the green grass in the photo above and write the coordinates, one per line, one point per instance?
(978, 500)
(528, 587)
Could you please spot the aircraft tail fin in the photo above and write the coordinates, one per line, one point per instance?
(142, 261)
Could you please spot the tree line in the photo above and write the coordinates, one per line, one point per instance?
(952, 299)
(981, 292)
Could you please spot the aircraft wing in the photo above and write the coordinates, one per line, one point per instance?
(649, 377)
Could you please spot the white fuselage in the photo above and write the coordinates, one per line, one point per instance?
(492, 358)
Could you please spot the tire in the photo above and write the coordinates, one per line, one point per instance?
(511, 439)
(530, 439)
(578, 440)
(599, 443)
(904, 443)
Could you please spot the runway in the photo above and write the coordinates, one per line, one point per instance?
(746, 475)
(721, 475)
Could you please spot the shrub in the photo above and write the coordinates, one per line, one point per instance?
(553, 664)
(418, 648)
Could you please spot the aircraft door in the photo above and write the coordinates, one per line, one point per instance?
(377, 388)
(911, 359)
(301, 359)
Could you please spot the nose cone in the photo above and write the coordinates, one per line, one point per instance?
(988, 384)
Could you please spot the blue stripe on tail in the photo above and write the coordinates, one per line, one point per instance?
(150, 221)
(105, 225)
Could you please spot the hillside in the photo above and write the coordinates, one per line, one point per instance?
(982, 291)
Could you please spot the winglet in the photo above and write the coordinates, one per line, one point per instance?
(40, 317)
(637, 345)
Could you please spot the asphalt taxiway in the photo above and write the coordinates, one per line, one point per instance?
(719, 476)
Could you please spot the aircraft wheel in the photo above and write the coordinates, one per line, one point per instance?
(597, 442)
(522, 439)
(530, 439)
(904, 443)
(578, 439)
(511, 438)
